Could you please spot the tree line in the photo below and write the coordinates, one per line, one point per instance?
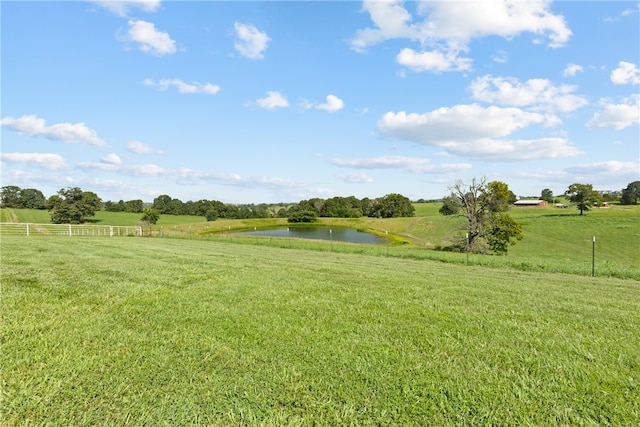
(73, 205)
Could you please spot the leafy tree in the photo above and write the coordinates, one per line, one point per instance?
(72, 205)
(631, 194)
(13, 196)
(484, 205)
(10, 196)
(583, 195)
(496, 196)
(503, 231)
(547, 195)
(150, 215)
(134, 206)
(302, 216)
(31, 198)
(451, 205)
(392, 206)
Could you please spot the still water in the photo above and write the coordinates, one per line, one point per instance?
(342, 234)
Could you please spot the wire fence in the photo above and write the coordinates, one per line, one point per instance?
(27, 229)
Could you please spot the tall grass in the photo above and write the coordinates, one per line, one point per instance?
(136, 331)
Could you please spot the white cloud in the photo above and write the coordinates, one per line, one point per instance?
(436, 61)
(251, 42)
(626, 73)
(149, 39)
(66, 132)
(392, 21)
(473, 131)
(411, 164)
(607, 168)
(501, 57)
(44, 160)
(131, 170)
(138, 147)
(356, 178)
(273, 100)
(450, 26)
(539, 94)
(112, 159)
(571, 70)
(332, 104)
(617, 116)
(122, 7)
(183, 87)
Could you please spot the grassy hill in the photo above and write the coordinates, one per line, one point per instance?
(557, 240)
(204, 332)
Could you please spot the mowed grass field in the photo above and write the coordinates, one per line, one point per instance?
(555, 240)
(146, 331)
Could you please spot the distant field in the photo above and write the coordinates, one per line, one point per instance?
(556, 240)
(147, 331)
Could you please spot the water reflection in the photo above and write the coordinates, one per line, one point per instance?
(341, 234)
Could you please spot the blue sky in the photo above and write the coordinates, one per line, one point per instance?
(278, 101)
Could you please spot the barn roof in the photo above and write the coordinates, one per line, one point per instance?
(529, 202)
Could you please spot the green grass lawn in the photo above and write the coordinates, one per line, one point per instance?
(139, 331)
(555, 240)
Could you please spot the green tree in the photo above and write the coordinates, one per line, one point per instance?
(72, 205)
(483, 205)
(31, 198)
(631, 194)
(450, 205)
(302, 216)
(547, 195)
(10, 196)
(496, 196)
(503, 231)
(150, 215)
(134, 206)
(583, 195)
(392, 206)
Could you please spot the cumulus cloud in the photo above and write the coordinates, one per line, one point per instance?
(356, 178)
(626, 73)
(251, 42)
(617, 116)
(332, 104)
(273, 100)
(436, 61)
(195, 87)
(538, 94)
(112, 159)
(48, 161)
(474, 131)
(411, 164)
(122, 7)
(131, 170)
(65, 132)
(450, 26)
(149, 39)
(138, 147)
(571, 70)
(606, 168)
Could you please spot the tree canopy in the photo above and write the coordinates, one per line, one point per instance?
(12, 196)
(631, 194)
(483, 204)
(583, 195)
(72, 205)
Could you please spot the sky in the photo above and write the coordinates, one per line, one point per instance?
(281, 101)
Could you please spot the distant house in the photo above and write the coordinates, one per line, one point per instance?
(525, 203)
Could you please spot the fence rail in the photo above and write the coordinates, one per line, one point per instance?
(27, 229)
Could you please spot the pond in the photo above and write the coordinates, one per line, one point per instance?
(341, 234)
